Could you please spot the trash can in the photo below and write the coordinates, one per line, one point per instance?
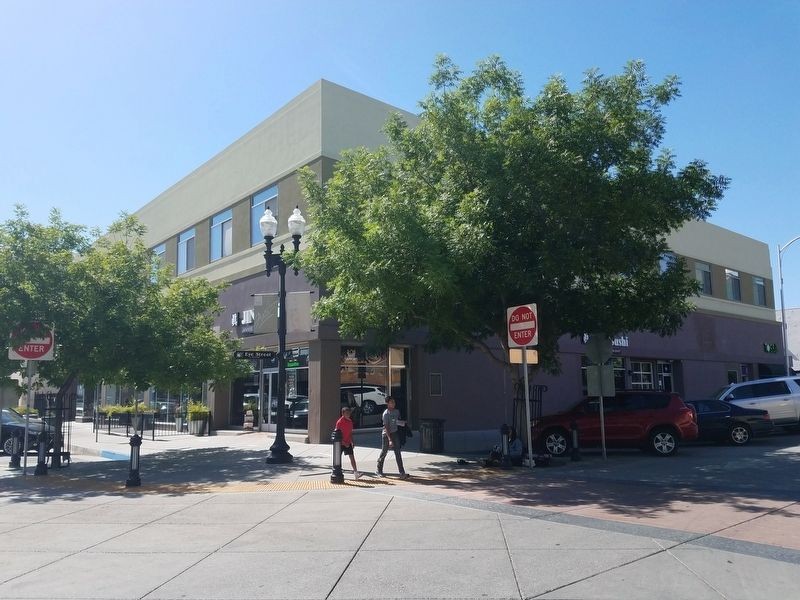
(431, 435)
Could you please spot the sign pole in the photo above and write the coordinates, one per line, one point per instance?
(602, 422)
(260, 393)
(27, 417)
(527, 405)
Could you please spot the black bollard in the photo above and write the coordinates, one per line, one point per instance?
(576, 451)
(133, 477)
(41, 464)
(337, 475)
(505, 431)
(16, 451)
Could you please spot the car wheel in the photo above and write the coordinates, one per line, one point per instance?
(739, 434)
(554, 442)
(368, 407)
(663, 442)
(8, 445)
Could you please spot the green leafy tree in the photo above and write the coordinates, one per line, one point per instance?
(118, 316)
(494, 199)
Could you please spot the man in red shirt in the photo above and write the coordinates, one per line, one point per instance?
(345, 425)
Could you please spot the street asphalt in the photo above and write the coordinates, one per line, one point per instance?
(212, 520)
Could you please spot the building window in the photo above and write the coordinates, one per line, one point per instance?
(619, 373)
(733, 285)
(436, 384)
(664, 370)
(759, 291)
(186, 251)
(641, 375)
(666, 261)
(222, 235)
(159, 256)
(702, 271)
(265, 199)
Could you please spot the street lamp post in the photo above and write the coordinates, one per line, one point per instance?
(784, 334)
(279, 451)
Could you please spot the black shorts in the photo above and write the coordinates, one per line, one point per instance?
(347, 450)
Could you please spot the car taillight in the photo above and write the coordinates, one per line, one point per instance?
(694, 413)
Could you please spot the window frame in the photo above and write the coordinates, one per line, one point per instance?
(733, 285)
(702, 273)
(759, 291)
(259, 201)
(217, 230)
(186, 258)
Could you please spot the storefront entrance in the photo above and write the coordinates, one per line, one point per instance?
(259, 393)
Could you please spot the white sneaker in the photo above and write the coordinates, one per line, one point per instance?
(356, 475)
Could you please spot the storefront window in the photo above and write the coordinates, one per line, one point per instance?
(256, 393)
(364, 379)
(641, 375)
(617, 362)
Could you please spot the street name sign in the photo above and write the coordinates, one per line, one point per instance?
(523, 326)
(255, 354)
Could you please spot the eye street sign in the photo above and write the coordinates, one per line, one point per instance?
(258, 354)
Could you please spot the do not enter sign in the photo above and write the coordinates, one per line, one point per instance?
(38, 346)
(523, 329)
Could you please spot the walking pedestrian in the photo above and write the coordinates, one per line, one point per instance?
(391, 421)
(345, 425)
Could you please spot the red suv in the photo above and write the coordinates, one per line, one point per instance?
(654, 421)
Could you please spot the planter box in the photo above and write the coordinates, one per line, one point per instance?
(198, 427)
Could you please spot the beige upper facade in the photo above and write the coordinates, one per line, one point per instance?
(312, 130)
(321, 122)
(726, 252)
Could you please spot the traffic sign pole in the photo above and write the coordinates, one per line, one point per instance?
(27, 418)
(527, 406)
(523, 331)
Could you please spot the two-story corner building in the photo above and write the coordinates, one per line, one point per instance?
(206, 225)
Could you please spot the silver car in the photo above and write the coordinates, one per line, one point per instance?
(780, 396)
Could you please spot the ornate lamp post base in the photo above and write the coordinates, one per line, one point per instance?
(279, 456)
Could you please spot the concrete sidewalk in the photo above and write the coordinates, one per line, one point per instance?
(213, 521)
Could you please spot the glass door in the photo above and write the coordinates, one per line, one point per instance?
(269, 380)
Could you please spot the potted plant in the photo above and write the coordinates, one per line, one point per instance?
(198, 416)
(142, 415)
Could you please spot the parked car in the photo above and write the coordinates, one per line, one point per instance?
(367, 397)
(298, 414)
(722, 421)
(779, 396)
(12, 422)
(654, 421)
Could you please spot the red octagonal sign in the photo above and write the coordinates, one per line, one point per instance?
(523, 327)
(38, 346)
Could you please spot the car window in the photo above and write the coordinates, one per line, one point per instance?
(710, 406)
(742, 392)
(10, 416)
(771, 388)
(647, 401)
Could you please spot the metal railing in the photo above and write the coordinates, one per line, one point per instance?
(152, 424)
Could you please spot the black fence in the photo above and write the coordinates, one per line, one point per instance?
(152, 424)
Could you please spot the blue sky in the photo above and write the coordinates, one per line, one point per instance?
(105, 104)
